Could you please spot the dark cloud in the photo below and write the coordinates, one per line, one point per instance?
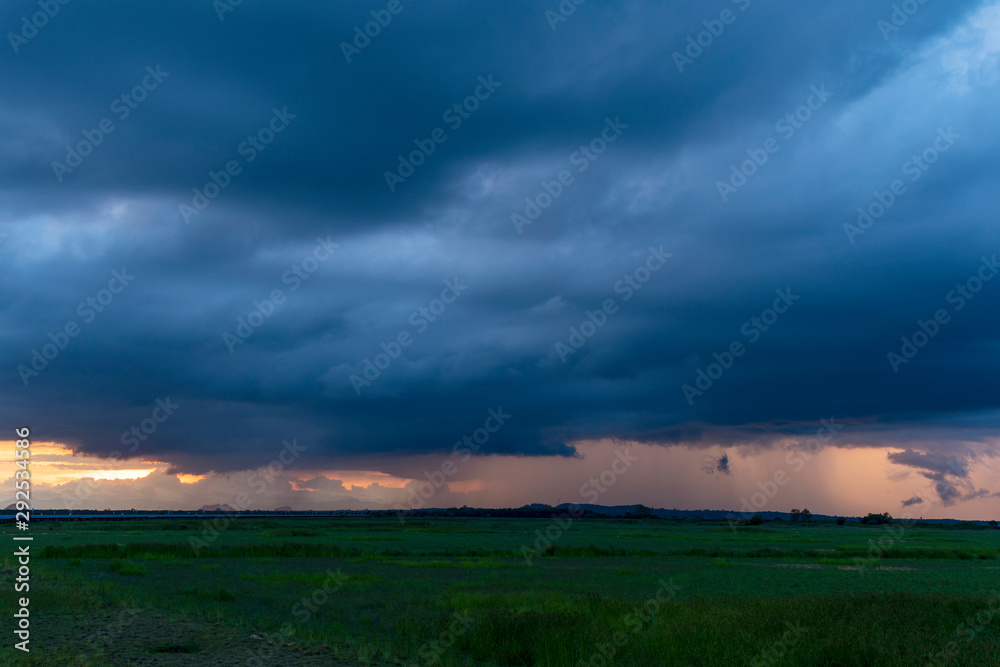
(979, 493)
(934, 463)
(949, 474)
(915, 500)
(723, 464)
(720, 464)
(321, 483)
(494, 347)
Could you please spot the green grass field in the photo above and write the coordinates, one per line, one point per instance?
(499, 592)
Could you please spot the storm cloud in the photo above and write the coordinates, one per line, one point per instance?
(483, 210)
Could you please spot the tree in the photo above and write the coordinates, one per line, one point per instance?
(994, 524)
(841, 521)
(806, 514)
(756, 520)
(795, 514)
(643, 512)
(640, 512)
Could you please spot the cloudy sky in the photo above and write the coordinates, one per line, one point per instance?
(498, 247)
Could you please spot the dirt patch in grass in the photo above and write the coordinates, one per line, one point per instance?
(139, 637)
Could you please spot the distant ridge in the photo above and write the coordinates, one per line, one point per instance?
(221, 507)
(620, 510)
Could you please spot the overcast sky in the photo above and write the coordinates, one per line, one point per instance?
(698, 228)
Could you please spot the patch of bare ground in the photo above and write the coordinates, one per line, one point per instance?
(140, 638)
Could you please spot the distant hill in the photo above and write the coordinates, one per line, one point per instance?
(620, 510)
(222, 507)
(283, 508)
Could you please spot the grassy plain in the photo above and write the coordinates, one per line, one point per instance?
(459, 591)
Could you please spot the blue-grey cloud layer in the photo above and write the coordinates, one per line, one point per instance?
(495, 345)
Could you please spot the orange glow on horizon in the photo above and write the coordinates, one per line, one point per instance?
(39, 450)
(467, 486)
(851, 479)
(54, 463)
(354, 478)
(128, 473)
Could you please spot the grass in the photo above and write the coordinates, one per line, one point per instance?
(463, 592)
(126, 568)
